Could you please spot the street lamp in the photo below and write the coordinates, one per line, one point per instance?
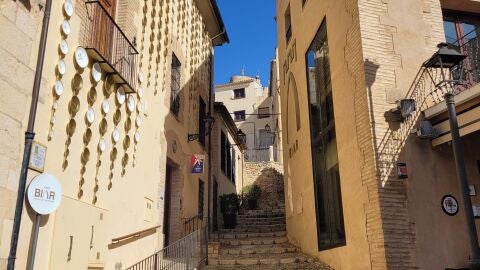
(448, 58)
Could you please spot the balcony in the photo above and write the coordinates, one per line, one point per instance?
(469, 70)
(106, 43)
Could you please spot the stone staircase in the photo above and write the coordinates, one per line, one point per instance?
(259, 241)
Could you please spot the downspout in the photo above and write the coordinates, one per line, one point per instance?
(29, 136)
(209, 184)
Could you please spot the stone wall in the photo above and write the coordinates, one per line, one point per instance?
(17, 69)
(269, 176)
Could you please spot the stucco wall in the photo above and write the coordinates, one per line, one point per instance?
(123, 187)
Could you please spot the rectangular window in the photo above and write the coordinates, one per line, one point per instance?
(223, 153)
(175, 85)
(201, 124)
(288, 25)
(263, 112)
(229, 160)
(239, 93)
(239, 115)
(201, 197)
(330, 230)
(265, 139)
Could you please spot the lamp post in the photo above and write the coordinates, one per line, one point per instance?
(447, 58)
(242, 137)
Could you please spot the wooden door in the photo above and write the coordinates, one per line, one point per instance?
(106, 28)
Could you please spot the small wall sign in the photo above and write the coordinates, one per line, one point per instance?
(44, 194)
(449, 205)
(472, 190)
(197, 163)
(402, 170)
(37, 157)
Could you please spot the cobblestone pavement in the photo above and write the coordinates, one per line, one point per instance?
(300, 266)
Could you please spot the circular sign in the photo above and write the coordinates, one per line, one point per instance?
(44, 194)
(449, 205)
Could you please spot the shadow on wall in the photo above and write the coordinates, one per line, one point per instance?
(270, 182)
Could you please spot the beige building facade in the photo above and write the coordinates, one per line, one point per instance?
(344, 65)
(115, 123)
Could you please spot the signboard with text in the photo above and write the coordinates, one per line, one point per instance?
(44, 194)
(197, 163)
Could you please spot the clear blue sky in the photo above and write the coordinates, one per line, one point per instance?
(253, 38)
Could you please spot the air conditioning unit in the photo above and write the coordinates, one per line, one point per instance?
(426, 130)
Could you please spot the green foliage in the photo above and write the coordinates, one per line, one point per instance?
(252, 192)
(229, 203)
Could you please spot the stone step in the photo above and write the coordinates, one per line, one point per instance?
(254, 229)
(254, 218)
(260, 223)
(291, 266)
(258, 249)
(263, 212)
(272, 227)
(244, 235)
(259, 259)
(254, 241)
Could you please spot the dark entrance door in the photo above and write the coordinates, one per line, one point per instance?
(168, 203)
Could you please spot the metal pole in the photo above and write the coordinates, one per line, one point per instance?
(29, 135)
(462, 177)
(33, 242)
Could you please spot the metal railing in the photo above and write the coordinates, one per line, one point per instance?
(469, 70)
(262, 154)
(110, 44)
(186, 254)
(194, 223)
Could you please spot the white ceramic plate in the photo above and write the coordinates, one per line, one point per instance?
(50, 134)
(66, 28)
(116, 135)
(140, 92)
(131, 103)
(138, 121)
(68, 8)
(61, 67)
(55, 105)
(81, 57)
(96, 72)
(58, 88)
(140, 77)
(140, 106)
(102, 144)
(137, 137)
(52, 121)
(63, 46)
(90, 115)
(120, 95)
(105, 106)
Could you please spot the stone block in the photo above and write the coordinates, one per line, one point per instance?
(13, 176)
(17, 43)
(9, 10)
(247, 261)
(10, 137)
(5, 236)
(7, 208)
(13, 102)
(4, 168)
(26, 22)
(15, 72)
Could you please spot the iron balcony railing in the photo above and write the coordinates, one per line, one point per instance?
(186, 254)
(106, 43)
(262, 154)
(469, 70)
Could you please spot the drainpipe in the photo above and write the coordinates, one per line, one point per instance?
(209, 184)
(29, 135)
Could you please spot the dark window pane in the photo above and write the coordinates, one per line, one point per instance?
(239, 93)
(331, 231)
(175, 86)
(223, 154)
(239, 115)
(263, 112)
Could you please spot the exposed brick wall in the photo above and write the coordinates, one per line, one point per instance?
(269, 177)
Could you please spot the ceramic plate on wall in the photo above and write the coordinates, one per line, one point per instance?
(137, 137)
(140, 77)
(131, 103)
(90, 115)
(105, 106)
(66, 28)
(116, 135)
(140, 92)
(120, 95)
(102, 144)
(58, 88)
(68, 8)
(61, 67)
(81, 57)
(140, 106)
(63, 47)
(96, 72)
(138, 121)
